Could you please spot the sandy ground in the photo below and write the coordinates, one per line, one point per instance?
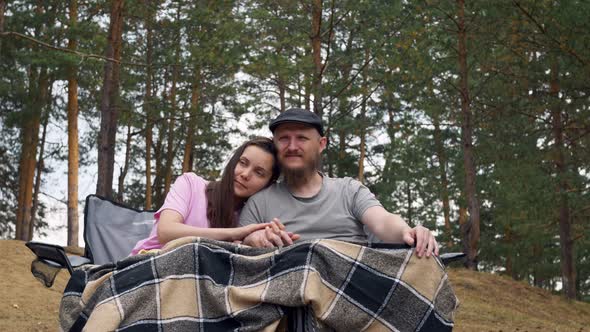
(26, 304)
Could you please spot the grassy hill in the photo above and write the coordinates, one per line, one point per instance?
(488, 302)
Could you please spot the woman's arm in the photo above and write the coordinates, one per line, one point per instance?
(171, 227)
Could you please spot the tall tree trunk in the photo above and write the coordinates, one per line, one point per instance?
(316, 47)
(568, 269)
(509, 262)
(30, 122)
(125, 168)
(363, 122)
(300, 91)
(471, 228)
(409, 202)
(343, 107)
(539, 279)
(282, 92)
(2, 10)
(171, 122)
(389, 153)
(170, 142)
(444, 181)
(73, 148)
(30, 140)
(147, 108)
(40, 166)
(341, 151)
(188, 158)
(158, 183)
(109, 110)
(307, 93)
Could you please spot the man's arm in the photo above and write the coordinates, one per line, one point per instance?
(392, 228)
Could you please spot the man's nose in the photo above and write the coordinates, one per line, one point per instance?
(292, 145)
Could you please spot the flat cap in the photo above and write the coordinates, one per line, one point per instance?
(298, 115)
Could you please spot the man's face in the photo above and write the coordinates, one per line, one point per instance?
(299, 146)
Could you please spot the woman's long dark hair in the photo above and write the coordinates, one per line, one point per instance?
(221, 202)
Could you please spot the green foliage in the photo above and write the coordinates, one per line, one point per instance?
(390, 73)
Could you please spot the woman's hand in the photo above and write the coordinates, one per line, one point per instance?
(239, 233)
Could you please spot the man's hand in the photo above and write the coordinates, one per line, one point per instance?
(273, 235)
(424, 240)
(257, 239)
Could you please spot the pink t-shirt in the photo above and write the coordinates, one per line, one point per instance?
(187, 197)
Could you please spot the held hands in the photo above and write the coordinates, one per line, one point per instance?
(272, 235)
(239, 233)
(424, 240)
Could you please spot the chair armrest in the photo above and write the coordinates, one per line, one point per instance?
(451, 257)
(54, 255)
(76, 260)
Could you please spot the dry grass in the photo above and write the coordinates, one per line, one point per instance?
(498, 303)
(488, 302)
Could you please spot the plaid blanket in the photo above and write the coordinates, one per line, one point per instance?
(198, 284)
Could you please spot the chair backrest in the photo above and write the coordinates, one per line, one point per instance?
(111, 230)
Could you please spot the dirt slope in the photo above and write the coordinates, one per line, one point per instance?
(488, 302)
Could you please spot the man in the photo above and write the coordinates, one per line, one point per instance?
(311, 205)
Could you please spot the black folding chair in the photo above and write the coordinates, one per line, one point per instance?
(111, 230)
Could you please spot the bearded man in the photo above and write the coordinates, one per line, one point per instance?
(308, 204)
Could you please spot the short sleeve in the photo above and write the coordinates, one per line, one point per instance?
(363, 199)
(178, 198)
(251, 213)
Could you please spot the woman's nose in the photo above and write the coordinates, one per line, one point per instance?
(245, 173)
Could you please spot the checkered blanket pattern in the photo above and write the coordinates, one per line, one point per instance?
(196, 284)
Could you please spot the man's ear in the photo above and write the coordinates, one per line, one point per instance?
(323, 143)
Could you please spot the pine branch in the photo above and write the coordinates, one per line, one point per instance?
(67, 50)
(560, 44)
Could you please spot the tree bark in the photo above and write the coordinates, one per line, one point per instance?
(170, 142)
(109, 109)
(343, 106)
(2, 11)
(409, 202)
(568, 269)
(282, 92)
(158, 153)
(316, 47)
(187, 161)
(471, 231)
(171, 122)
(362, 122)
(147, 108)
(444, 181)
(28, 159)
(341, 151)
(509, 262)
(125, 168)
(73, 148)
(40, 166)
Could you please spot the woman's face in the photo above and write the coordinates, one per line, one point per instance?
(252, 172)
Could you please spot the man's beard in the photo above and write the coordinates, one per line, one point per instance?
(298, 176)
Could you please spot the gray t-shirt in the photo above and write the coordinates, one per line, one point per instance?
(333, 213)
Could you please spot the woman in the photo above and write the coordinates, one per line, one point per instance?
(195, 207)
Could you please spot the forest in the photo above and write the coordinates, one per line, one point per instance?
(470, 117)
